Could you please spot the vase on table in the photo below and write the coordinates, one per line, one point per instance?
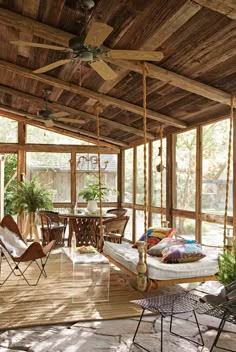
(92, 206)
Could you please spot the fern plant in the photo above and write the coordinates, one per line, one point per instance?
(227, 265)
(30, 196)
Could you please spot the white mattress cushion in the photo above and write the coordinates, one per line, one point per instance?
(128, 257)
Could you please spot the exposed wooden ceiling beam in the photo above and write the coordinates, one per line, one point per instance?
(39, 29)
(226, 7)
(61, 37)
(168, 28)
(74, 111)
(91, 94)
(34, 120)
(177, 80)
(54, 148)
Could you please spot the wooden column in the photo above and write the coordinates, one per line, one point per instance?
(234, 174)
(120, 177)
(2, 162)
(21, 166)
(170, 177)
(74, 191)
(198, 195)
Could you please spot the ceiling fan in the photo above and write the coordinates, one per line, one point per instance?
(50, 117)
(89, 49)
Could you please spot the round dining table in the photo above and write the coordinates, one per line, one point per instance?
(85, 226)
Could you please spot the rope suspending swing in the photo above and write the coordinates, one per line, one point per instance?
(98, 109)
(142, 278)
(228, 167)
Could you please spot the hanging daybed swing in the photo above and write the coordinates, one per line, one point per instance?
(144, 280)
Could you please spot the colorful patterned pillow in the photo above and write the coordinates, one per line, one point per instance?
(183, 253)
(154, 236)
(166, 243)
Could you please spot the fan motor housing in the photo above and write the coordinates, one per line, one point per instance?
(86, 56)
(77, 43)
(44, 113)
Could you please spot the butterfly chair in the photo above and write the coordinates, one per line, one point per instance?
(114, 229)
(117, 211)
(223, 307)
(16, 251)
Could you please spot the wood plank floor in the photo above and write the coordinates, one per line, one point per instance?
(64, 298)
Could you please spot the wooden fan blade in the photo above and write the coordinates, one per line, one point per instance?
(136, 55)
(59, 114)
(49, 123)
(38, 45)
(97, 33)
(53, 65)
(71, 120)
(103, 70)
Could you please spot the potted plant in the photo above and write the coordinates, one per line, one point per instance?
(92, 193)
(27, 198)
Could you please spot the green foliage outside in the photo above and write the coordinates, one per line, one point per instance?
(30, 196)
(227, 265)
(10, 181)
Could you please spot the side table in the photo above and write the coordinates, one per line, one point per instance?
(170, 305)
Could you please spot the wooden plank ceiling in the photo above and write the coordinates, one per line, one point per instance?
(193, 83)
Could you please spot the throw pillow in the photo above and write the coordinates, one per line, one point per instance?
(14, 245)
(183, 253)
(154, 236)
(166, 243)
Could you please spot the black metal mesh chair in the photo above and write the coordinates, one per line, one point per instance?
(170, 305)
(226, 312)
(222, 307)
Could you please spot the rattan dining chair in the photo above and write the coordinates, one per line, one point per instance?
(114, 229)
(52, 227)
(117, 211)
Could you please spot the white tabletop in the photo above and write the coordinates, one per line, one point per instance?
(85, 258)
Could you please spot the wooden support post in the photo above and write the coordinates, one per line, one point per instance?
(170, 177)
(21, 170)
(73, 179)
(120, 177)
(134, 192)
(142, 280)
(2, 162)
(198, 198)
(234, 175)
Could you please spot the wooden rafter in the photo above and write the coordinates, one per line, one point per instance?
(61, 37)
(179, 81)
(58, 127)
(73, 111)
(91, 94)
(169, 27)
(226, 7)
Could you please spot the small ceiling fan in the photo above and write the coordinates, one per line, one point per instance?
(89, 49)
(50, 117)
